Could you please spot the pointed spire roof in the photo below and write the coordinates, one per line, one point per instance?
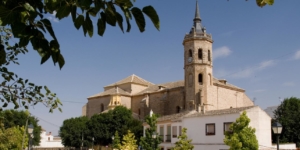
(197, 13)
(197, 27)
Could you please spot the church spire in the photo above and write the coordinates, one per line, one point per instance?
(197, 27)
(197, 13)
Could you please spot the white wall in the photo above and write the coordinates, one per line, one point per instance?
(47, 140)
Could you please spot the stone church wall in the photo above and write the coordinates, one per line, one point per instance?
(94, 105)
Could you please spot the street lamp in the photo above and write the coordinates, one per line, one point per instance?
(30, 130)
(93, 143)
(154, 137)
(277, 128)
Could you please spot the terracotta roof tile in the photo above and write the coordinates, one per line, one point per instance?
(168, 85)
(111, 91)
(132, 79)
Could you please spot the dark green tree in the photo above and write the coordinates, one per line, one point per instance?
(147, 142)
(288, 114)
(241, 136)
(14, 118)
(183, 143)
(102, 126)
(74, 132)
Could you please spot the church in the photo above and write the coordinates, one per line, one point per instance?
(203, 104)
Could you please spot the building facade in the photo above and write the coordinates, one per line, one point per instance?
(203, 104)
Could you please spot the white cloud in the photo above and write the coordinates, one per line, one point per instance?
(288, 84)
(221, 52)
(266, 64)
(252, 70)
(297, 55)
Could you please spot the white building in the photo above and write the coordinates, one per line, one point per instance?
(49, 141)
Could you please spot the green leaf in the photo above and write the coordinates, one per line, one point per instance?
(63, 11)
(139, 18)
(28, 7)
(2, 55)
(85, 4)
(151, 13)
(89, 25)
(79, 21)
(110, 17)
(120, 21)
(45, 57)
(61, 61)
(73, 12)
(7, 16)
(20, 30)
(262, 3)
(49, 28)
(101, 24)
(93, 11)
(23, 41)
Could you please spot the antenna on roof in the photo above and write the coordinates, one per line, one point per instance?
(254, 99)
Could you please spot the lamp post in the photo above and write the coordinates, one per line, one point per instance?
(30, 130)
(93, 143)
(277, 128)
(153, 137)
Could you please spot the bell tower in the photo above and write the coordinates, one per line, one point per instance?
(197, 64)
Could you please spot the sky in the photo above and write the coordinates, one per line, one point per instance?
(257, 49)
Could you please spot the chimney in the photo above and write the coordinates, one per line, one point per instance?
(223, 81)
(202, 109)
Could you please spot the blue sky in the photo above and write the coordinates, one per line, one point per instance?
(257, 49)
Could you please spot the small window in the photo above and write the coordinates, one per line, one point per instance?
(161, 132)
(226, 126)
(139, 111)
(210, 81)
(210, 129)
(200, 53)
(177, 109)
(179, 128)
(48, 138)
(190, 53)
(174, 131)
(208, 55)
(200, 79)
(102, 108)
(168, 136)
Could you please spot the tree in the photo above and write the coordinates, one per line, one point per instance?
(183, 143)
(11, 138)
(241, 136)
(116, 141)
(102, 126)
(14, 89)
(14, 118)
(147, 142)
(24, 20)
(288, 114)
(262, 3)
(128, 142)
(74, 132)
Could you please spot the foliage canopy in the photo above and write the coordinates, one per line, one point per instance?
(183, 143)
(288, 114)
(241, 136)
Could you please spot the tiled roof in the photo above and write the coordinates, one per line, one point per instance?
(216, 81)
(132, 79)
(194, 113)
(168, 85)
(111, 91)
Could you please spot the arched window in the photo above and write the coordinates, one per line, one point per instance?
(190, 53)
(199, 53)
(208, 55)
(101, 108)
(200, 78)
(177, 109)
